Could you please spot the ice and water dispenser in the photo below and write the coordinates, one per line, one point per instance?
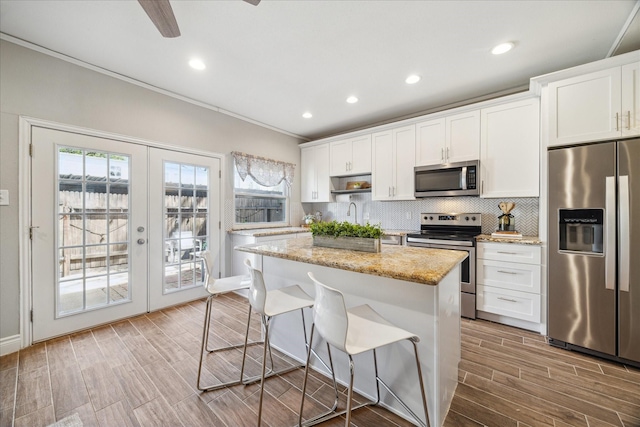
(581, 230)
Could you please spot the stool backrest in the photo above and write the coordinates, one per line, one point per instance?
(207, 259)
(257, 290)
(330, 314)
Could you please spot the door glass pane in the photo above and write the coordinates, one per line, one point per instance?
(186, 213)
(93, 230)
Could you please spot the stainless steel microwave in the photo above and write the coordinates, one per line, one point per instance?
(451, 179)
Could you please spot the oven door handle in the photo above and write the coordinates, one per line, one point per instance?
(439, 242)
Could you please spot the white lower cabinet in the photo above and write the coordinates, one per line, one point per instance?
(508, 281)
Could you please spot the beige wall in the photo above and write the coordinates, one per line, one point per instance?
(38, 85)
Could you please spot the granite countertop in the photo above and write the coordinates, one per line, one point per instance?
(260, 232)
(420, 265)
(526, 240)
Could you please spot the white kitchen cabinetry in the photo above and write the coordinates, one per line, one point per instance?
(509, 150)
(351, 156)
(595, 106)
(450, 139)
(630, 110)
(508, 283)
(393, 160)
(314, 167)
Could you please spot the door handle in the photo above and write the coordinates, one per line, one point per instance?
(623, 236)
(609, 233)
(141, 241)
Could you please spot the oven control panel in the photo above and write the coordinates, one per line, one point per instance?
(451, 219)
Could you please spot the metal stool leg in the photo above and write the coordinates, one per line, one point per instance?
(205, 346)
(310, 351)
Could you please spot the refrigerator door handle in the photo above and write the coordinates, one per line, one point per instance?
(610, 234)
(623, 236)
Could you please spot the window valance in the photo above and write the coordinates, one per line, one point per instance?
(266, 172)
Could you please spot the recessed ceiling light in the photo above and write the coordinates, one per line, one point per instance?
(352, 100)
(307, 115)
(413, 78)
(502, 48)
(197, 64)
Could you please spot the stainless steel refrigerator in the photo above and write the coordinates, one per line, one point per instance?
(594, 249)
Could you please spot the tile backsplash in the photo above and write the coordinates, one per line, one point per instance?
(405, 215)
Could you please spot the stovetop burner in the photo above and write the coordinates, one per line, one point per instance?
(448, 226)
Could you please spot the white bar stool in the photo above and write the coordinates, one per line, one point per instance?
(355, 331)
(216, 287)
(272, 303)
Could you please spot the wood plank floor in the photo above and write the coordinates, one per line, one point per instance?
(142, 372)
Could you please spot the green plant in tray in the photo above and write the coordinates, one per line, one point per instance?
(346, 229)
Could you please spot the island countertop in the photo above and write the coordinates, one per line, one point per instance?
(420, 265)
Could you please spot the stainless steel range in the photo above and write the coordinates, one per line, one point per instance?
(455, 231)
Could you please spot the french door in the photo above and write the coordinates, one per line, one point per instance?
(117, 229)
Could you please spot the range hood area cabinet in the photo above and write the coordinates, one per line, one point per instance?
(510, 150)
(601, 105)
(314, 169)
(350, 156)
(449, 139)
(393, 158)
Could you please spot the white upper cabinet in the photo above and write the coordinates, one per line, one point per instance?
(393, 160)
(509, 153)
(314, 167)
(595, 106)
(630, 75)
(351, 156)
(448, 139)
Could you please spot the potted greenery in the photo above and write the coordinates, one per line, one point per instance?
(346, 235)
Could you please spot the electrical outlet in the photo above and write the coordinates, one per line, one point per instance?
(4, 197)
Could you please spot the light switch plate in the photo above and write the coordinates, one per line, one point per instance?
(4, 197)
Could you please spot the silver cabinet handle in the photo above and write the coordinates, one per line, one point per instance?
(624, 250)
(628, 119)
(140, 229)
(346, 166)
(141, 241)
(617, 121)
(507, 299)
(609, 233)
(447, 153)
(442, 154)
(507, 272)
(507, 253)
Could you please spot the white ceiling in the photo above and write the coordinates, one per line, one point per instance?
(273, 62)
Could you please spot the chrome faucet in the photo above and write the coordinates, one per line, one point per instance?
(355, 211)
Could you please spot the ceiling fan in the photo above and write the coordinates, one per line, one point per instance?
(162, 16)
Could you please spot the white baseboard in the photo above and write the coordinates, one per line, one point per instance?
(9, 344)
(510, 321)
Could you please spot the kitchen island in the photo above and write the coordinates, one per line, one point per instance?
(417, 289)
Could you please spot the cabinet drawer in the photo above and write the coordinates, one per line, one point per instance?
(519, 305)
(509, 275)
(510, 252)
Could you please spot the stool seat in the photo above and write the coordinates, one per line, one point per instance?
(227, 284)
(368, 330)
(284, 300)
